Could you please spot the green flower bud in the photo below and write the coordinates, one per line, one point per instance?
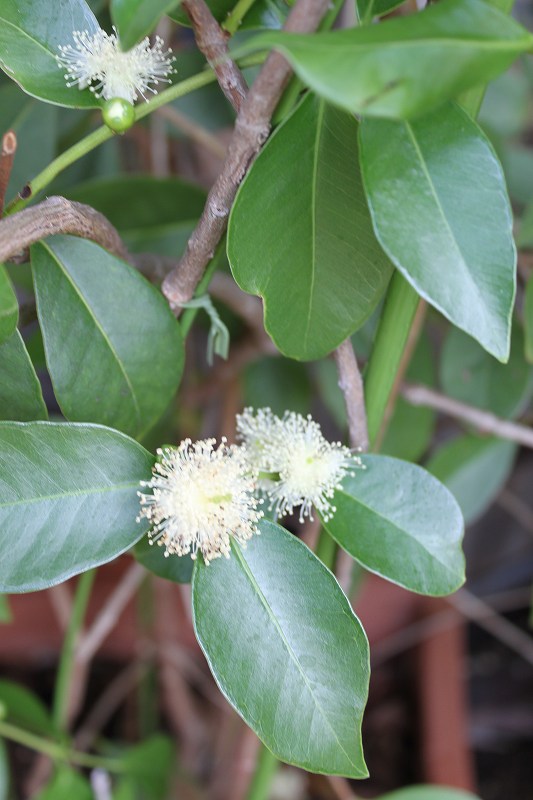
(118, 114)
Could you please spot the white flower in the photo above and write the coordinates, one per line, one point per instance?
(303, 468)
(96, 61)
(201, 496)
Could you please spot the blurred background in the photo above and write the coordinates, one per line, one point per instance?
(451, 697)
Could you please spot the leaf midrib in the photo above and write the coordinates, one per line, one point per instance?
(314, 180)
(117, 487)
(292, 655)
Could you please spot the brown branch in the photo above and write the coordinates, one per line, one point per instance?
(251, 131)
(211, 41)
(351, 385)
(57, 215)
(7, 155)
(484, 421)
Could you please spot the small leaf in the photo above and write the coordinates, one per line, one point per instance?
(21, 396)
(66, 785)
(470, 375)
(338, 272)
(9, 307)
(177, 569)
(528, 321)
(474, 469)
(113, 347)
(366, 9)
(150, 764)
(25, 709)
(68, 500)
(440, 208)
(137, 18)
(153, 215)
(30, 36)
(429, 793)
(286, 650)
(404, 66)
(270, 14)
(398, 521)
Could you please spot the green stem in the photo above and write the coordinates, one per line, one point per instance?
(233, 21)
(102, 134)
(66, 663)
(326, 549)
(393, 331)
(265, 768)
(56, 751)
(189, 314)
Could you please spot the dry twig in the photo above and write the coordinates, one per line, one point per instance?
(484, 421)
(56, 215)
(7, 155)
(251, 131)
(351, 385)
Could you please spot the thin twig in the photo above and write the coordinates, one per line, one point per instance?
(7, 155)
(194, 131)
(108, 618)
(212, 42)
(251, 131)
(351, 385)
(57, 215)
(484, 421)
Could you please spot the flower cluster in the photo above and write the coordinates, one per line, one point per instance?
(97, 61)
(203, 495)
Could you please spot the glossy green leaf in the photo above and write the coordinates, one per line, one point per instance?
(113, 347)
(286, 650)
(66, 784)
(177, 569)
(68, 500)
(528, 321)
(9, 307)
(469, 374)
(150, 764)
(398, 521)
(440, 209)
(30, 35)
(404, 66)
(35, 125)
(21, 397)
(137, 18)
(304, 240)
(25, 709)
(155, 215)
(428, 793)
(474, 469)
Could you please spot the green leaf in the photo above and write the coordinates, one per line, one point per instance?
(440, 208)
(428, 793)
(398, 521)
(155, 215)
(528, 321)
(411, 428)
(474, 469)
(286, 650)
(137, 18)
(469, 374)
(366, 9)
(36, 128)
(24, 709)
(21, 397)
(407, 65)
(66, 785)
(30, 35)
(68, 500)
(9, 307)
(310, 223)
(269, 14)
(177, 569)
(151, 764)
(279, 384)
(113, 347)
